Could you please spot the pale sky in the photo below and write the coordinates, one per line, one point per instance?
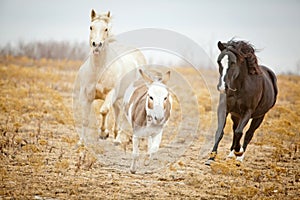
(273, 26)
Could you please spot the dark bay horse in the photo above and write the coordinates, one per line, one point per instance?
(248, 91)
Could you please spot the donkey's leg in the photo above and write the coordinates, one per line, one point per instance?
(235, 121)
(135, 153)
(155, 143)
(239, 132)
(104, 112)
(249, 134)
(153, 146)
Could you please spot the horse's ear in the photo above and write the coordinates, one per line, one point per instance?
(145, 76)
(108, 14)
(221, 46)
(93, 14)
(166, 77)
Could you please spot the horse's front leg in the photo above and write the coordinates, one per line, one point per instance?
(135, 153)
(86, 109)
(235, 121)
(104, 132)
(238, 133)
(222, 115)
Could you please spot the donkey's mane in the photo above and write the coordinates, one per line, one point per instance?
(245, 50)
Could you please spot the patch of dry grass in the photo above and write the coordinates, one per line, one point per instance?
(38, 158)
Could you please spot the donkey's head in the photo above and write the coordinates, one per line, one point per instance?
(158, 100)
(99, 30)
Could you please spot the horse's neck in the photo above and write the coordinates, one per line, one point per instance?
(239, 82)
(98, 61)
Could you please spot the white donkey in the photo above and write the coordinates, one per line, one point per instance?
(97, 80)
(147, 105)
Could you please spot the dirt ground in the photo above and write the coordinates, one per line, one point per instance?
(40, 160)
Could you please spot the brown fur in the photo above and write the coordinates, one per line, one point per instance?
(138, 100)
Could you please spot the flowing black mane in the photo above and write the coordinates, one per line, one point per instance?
(245, 51)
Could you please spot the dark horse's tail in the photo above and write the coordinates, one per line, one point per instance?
(274, 81)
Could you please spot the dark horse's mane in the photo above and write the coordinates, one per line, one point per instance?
(245, 50)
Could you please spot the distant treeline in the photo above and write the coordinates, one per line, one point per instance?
(47, 49)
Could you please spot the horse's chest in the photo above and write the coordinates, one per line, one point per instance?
(236, 105)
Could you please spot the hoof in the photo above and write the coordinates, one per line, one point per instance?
(133, 169)
(209, 161)
(231, 154)
(239, 153)
(117, 143)
(104, 134)
(240, 158)
(147, 160)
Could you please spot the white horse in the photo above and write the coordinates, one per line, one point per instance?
(147, 103)
(97, 79)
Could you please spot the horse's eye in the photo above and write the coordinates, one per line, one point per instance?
(106, 30)
(165, 99)
(151, 98)
(91, 28)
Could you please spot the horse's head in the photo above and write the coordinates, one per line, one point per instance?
(158, 100)
(228, 67)
(236, 57)
(99, 30)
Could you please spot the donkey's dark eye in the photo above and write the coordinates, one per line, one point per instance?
(151, 98)
(91, 28)
(165, 99)
(106, 30)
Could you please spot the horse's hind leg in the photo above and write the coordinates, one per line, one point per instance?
(117, 131)
(256, 122)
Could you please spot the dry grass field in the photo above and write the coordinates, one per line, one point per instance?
(39, 159)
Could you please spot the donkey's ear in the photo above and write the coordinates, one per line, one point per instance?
(221, 46)
(166, 77)
(145, 76)
(93, 14)
(108, 14)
